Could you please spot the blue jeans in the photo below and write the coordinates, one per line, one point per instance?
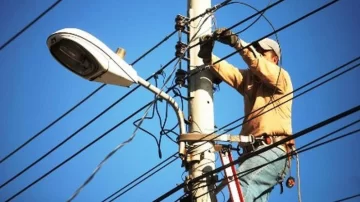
(257, 185)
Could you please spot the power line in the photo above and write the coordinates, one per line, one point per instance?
(301, 18)
(51, 124)
(303, 86)
(143, 179)
(237, 24)
(219, 6)
(137, 126)
(300, 94)
(86, 98)
(316, 80)
(298, 151)
(96, 90)
(79, 130)
(78, 152)
(281, 28)
(287, 25)
(126, 141)
(256, 20)
(348, 198)
(141, 176)
(29, 25)
(257, 152)
(248, 18)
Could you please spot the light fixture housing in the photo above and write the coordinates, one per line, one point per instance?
(89, 58)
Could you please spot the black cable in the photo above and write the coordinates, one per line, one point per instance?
(30, 24)
(256, 20)
(348, 198)
(141, 176)
(78, 152)
(154, 47)
(50, 125)
(328, 135)
(280, 29)
(76, 132)
(86, 98)
(134, 133)
(303, 86)
(300, 94)
(84, 148)
(246, 172)
(257, 152)
(246, 19)
(304, 93)
(212, 9)
(173, 160)
(90, 95)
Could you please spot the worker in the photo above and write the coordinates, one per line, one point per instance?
(262, 85)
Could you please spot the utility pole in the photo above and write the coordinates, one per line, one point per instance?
(201, 109)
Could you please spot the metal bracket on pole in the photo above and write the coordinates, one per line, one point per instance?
(243, 140)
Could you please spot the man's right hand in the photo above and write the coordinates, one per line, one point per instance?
(206, 47)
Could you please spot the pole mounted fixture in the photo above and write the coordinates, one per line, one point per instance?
(86, 56)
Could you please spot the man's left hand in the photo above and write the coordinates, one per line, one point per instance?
(226, 36)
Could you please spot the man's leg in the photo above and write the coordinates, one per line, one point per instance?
(257, 185)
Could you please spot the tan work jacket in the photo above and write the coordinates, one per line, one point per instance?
(259, 87)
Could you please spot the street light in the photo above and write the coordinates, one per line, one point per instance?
(89, 58)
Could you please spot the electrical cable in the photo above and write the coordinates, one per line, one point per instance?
(256, 20)
(78, 152)
(91, 94)
(141, 176)
(134, 132)
(154, 108)
(30, 24)
(257, 152)
(123, 143)
(300, 94)
(95, 139)
(79, 130)
(303, 17)
(348, 198)
(173, 160)
(246, 172)
(305, 148)
(51, 124)
(248, 18)
(281, 28)
(303, 86)
(86, 98)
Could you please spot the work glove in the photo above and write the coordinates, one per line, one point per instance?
(206, 47)
(225, 36)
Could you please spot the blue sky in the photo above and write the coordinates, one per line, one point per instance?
(36, 90)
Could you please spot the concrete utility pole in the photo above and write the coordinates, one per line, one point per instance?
(201, 108)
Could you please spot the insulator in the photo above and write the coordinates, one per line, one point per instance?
(180, 22)
(180, 77)
(180, 49)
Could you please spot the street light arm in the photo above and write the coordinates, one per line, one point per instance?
(174, 105)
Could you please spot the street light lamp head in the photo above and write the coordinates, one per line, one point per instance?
(88, 57)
